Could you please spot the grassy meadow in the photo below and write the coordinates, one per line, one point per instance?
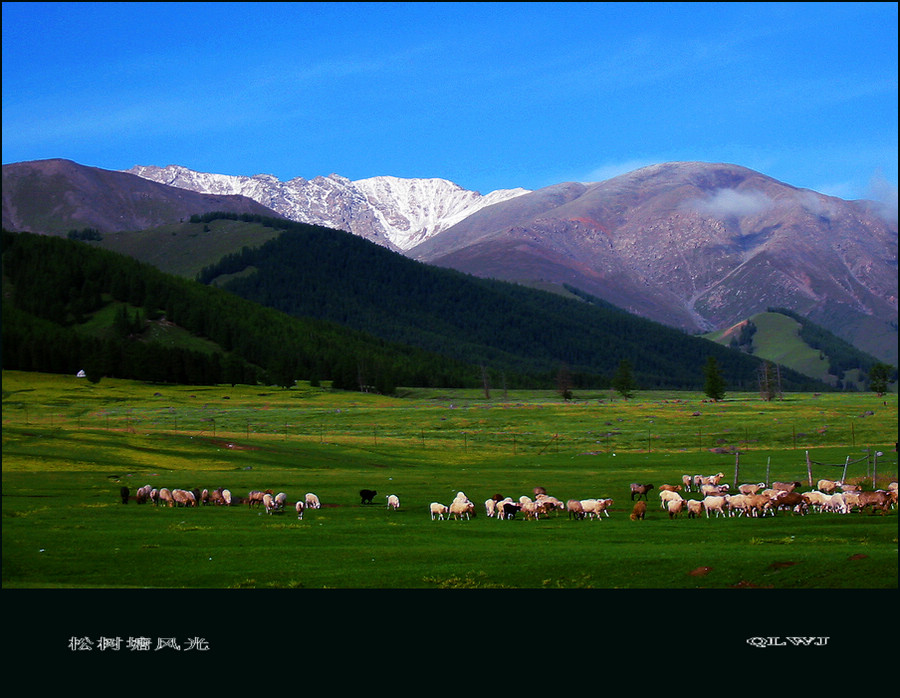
(70, 445)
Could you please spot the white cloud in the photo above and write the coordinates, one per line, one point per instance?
(884, 193)
(729, 202)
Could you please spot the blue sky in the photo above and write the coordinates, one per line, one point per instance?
(487, 95)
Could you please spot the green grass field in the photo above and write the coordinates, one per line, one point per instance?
(69, 445)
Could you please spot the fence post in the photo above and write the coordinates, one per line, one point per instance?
(737, 460)
(808, 469)
(844, 474)
(768, 464)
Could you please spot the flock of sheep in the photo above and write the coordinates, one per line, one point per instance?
(759, 500)
(752, 500)
(272, 503)
(501, 507)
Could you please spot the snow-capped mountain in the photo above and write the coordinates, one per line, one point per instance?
(394, 212)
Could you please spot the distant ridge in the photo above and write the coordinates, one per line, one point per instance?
(56, 196)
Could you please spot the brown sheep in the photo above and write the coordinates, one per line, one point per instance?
(878, 500)
(640, 490)
(786, 486)
(669, 488)
(639, 511)
(576, 511)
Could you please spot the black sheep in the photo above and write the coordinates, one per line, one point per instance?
(124, 492)
(509, 510)
(366, 496)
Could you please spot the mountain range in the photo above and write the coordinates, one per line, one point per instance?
(696, 246)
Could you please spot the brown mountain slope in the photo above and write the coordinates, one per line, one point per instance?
(56, 196)
(694, 245)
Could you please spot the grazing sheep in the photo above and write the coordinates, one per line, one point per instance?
(816, 500)
(142, 494)
(312, 501)
(280, 501)
(184, 498)
(791, 501)
(591, 508)
(639, 511)
(165, 495)
(499, 510)
(759, 504)
(716, 504)
(366, 496)
(694, 507)
(438, 510)
(686, 481)
(828, 486)
(510, 509)
(669, 488)
(752, 489)
(879, 500)
(490, 506)
(708, 490)
(299, 507)
(393, 501)
(851, 501)
(254, 497)
(550, 503)
(847, 487)
(666, 496)
(576, 511)
(459, 508)
(154, 496)
(675, 507)
(640, 490)
(786, 486)
(124, 493)
(531, 510)
(268, 502)
(226, 497)
(737, 503)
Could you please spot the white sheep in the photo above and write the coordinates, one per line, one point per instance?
(393, 501)
(490, 507)
(280, 501)
(816, 500)
(687, 480)
(299, 506)
(710, 490)
(828, 486)
(666, 496)
(438, 510)
(312, 501)
(738, 503)
(550, 503)
(675, 507)
(752, 489)
(268, 502)
(716, 504)
(459, 508)
(694, 507)
(226, 496)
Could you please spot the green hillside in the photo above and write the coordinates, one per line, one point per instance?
(787, 339)
(311, 271)
(68, 306)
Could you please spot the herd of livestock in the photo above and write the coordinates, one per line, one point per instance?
(714, 498)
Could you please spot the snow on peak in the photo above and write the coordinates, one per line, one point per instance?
(392, 211)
